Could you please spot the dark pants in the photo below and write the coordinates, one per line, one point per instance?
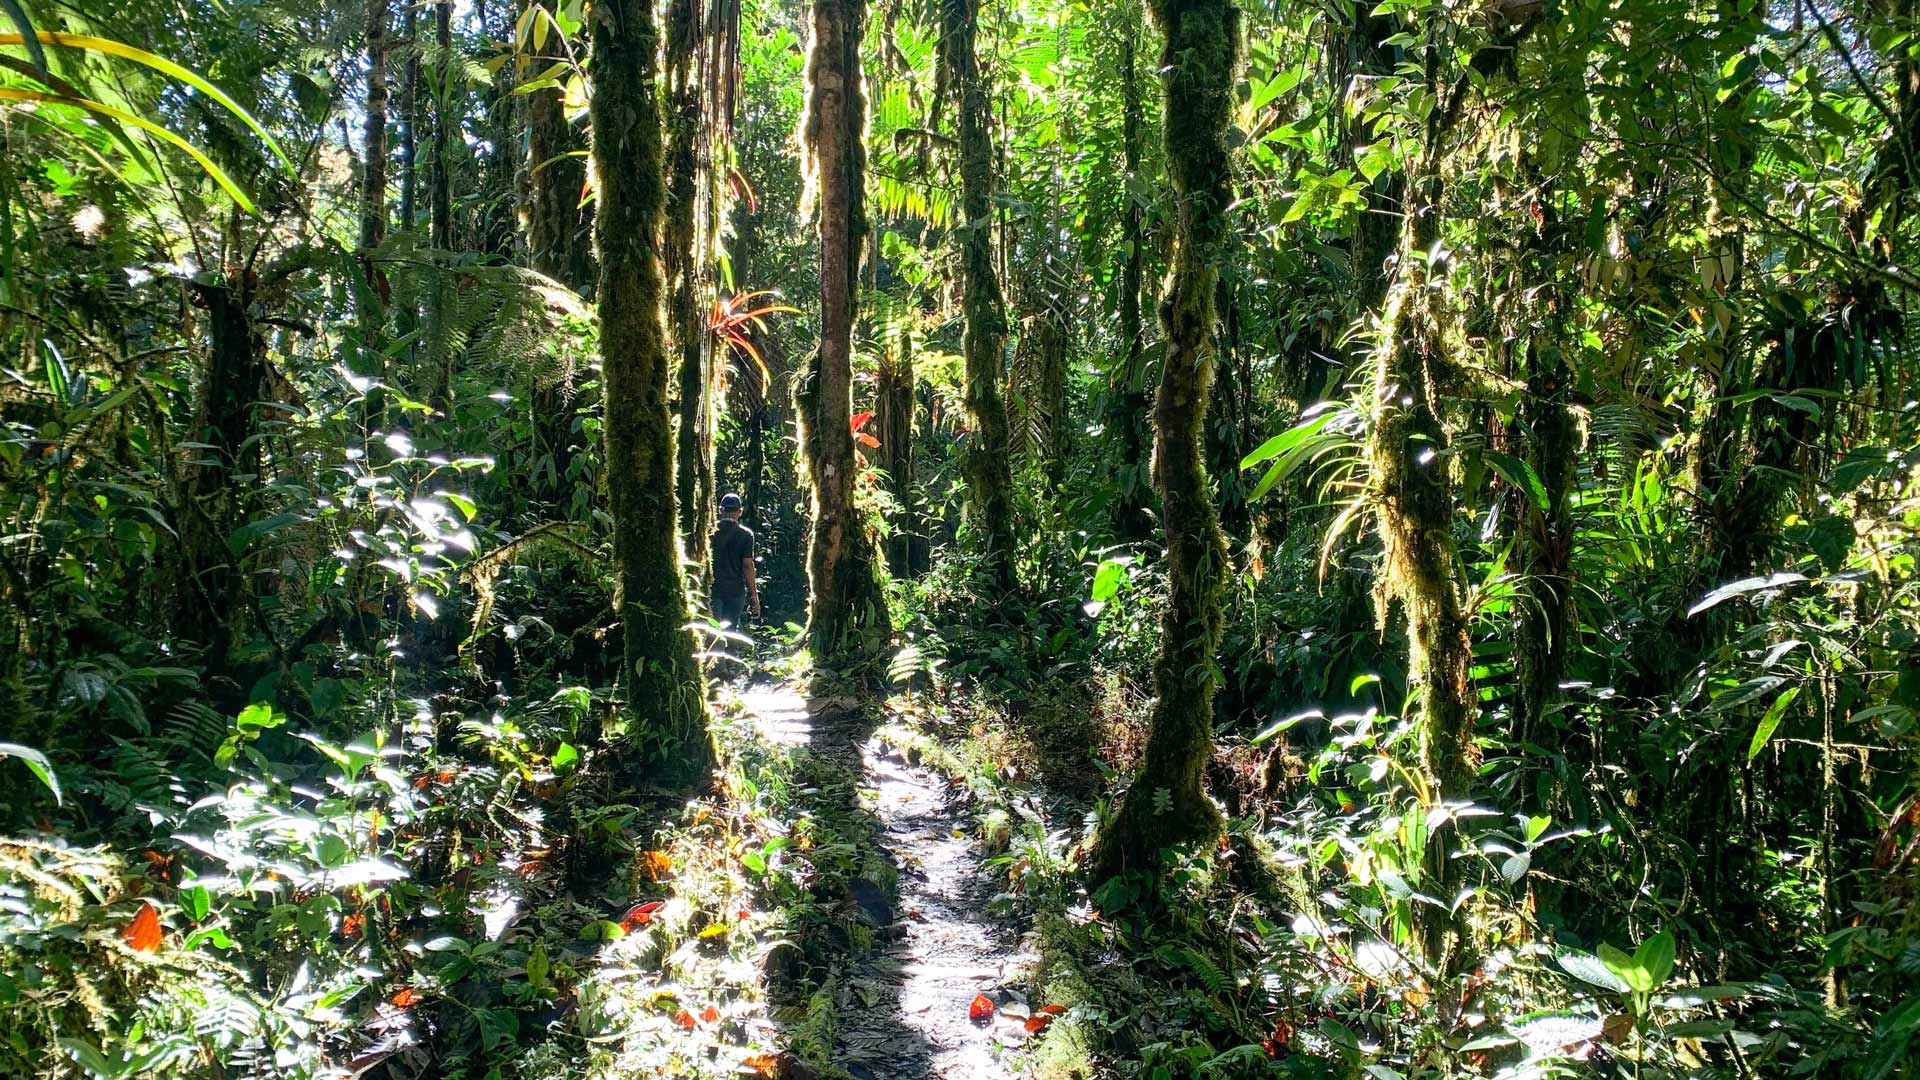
(729, 609)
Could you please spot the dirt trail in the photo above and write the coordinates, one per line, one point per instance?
(904, 1007)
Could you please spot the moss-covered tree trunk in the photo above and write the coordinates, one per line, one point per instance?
(985, 459)
(893, 423)
(1168, 803)
(1414, 507)
(559, 241)
(559, 235)
(685, 119)
(664, 692)
(1131, 511)
(373, 183)
(848, 626)
(208, 592)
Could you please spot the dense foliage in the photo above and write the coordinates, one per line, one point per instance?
(1401, 517)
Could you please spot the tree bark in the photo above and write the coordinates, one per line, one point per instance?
(685, 118)
(1167, 804)
(1132, 508)
(893, 423)
(848, 627)
(985, 457)
(373, 186)
(664, 691)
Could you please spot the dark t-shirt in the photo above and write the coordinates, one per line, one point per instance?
(732, 545)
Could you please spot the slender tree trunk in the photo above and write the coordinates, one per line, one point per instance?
(439, 380)
(685, 118)
(985, 458)
(410, 121)
(558, 232)
(848, 627)
(1168, 804)
(373, 208)
(664, 691)
(373, 187)
(1413, 493)
(893, 405)
(208, 596)
(1132, 508)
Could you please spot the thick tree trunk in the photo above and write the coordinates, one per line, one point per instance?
(985, 458)
(1132, 509)
(848, 627)
(687, 330)
(664, 691)
(893, 423)
(1168, 803)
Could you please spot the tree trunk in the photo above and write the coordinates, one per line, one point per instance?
(373, 186)
(664, 691)
(439, 380)
(1132, 508)
(1413, 493)
(373, 210)
(985, 458)
(687, 329)
(893, 405)
(848, 627)
(208, 595)
(1168, 803)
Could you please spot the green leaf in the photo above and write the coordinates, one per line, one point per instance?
(565, 757)
(37, 764)
(1521, 475)
(1742, 587)
(1770, 722)
(1626, 967)
(1592, 969)
(1108, 579)
(240, 538)
(165, 67)
(1655, 958)
(9, 93)
(465, 505)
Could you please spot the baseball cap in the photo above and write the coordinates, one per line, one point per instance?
(729, 501)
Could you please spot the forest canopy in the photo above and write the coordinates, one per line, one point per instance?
(1059, 539)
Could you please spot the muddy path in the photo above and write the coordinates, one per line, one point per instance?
(940, 940)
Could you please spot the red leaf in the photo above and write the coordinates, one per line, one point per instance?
(640, 914)
(762, 1064)
(981, 1011)
(684, 1019)
(406, 997)
(860, 420)
(865, 439)
(709, 1015)
(143, 933)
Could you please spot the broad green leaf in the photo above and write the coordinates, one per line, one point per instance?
(1770, 722)
(36, 763)
(1626, 967)
(1741, 588)
(1655, 958)
(1521, 475)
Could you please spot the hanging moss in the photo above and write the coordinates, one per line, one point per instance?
(848, 626)
(664, 691)
(1168, 804)
(986, 458)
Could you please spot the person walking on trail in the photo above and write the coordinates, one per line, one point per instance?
(734, 590)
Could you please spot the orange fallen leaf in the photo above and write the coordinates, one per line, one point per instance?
(981, 1010)
(640, 914)
(406, 997)
(657, 865)
(684, 1019)
(761, 1064)
(1043, 1018)
(709, 1015)
(143, 933)
(353, 925)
